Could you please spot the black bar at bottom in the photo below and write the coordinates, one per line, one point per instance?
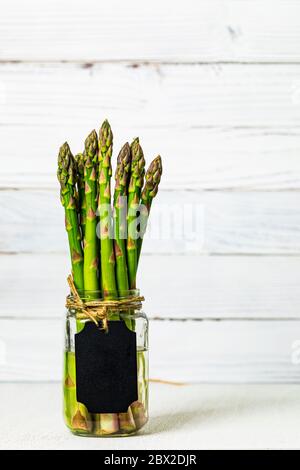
(182, 458)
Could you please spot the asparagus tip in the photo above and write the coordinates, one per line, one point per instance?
(105, 126)
(105, 136)
(91, 144)
(64, 149)
(90, 138)
(135, 141)
(65, 170)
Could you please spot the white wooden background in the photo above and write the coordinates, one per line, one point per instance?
(214, 86)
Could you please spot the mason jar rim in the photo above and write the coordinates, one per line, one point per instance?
(109, 295)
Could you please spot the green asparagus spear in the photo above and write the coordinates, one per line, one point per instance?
(121, 177)
(67, 177)
(107, 248)
(134, 193)
(76, 414)
(106, 423)
(79, 158)
(126, 420)
(153, 176)
(91, 281)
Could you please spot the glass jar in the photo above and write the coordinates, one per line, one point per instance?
(103, 369)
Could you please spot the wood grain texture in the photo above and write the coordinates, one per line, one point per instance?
(210, 30)
(237, 124)
(205, 351)
(218, 157)
(212, 287)
(156, 95)
(181, 222)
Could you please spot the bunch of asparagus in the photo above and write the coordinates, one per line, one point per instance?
(107, 262)
(106, 234)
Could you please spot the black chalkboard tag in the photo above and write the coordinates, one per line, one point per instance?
(106, 367)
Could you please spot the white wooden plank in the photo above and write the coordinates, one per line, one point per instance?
(209, 30)
(68, 96)
(176, 110)
(200, 287)
(218, 157)
(180, 222)
(228, 351)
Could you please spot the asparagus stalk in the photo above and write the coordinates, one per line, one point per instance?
(79, 158)
(76, 414)
(107, 248)
(67, 177)
(134, 193)
(79, 419)
(139, 414)
(153, 176)
(90, 266)
(121, 177)
(106, 423)
(126, 421)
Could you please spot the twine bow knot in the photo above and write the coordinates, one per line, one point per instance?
(99, 309)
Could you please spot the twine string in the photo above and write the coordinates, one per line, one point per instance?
(99, 309)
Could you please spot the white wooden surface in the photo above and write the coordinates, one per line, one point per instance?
(206, 30)
(184, 351)
(214, 86)
(188, 417)
(238, 124)
(213, 287)
(149, 96)
(211, 222)
(222, 157)
(153, 95)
